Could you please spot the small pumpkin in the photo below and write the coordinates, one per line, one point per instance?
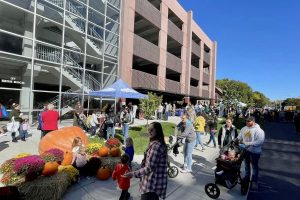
(50, 168)
(115, 152)
(62, 139)
(103, 151)
(103, 173)
(68, 157)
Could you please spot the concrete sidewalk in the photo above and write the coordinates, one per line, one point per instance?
(184, 186)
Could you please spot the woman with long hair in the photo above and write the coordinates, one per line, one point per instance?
(153, 172)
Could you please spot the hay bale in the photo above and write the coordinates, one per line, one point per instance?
(46, 188)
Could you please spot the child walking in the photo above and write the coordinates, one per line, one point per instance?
(119, 171)
(24, 129)
(129, 150)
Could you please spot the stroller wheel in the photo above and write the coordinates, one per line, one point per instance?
(212, 190)
(173, 172)
(244, 187)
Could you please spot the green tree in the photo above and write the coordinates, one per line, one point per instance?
(150, 105)
(292, 102)
(237, 91)
(259, 99)
(234, 92)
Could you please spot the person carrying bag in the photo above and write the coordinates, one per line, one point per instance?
(14, 124)
(13, 127)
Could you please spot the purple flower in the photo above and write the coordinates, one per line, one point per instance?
(29, 165)
(54, 154)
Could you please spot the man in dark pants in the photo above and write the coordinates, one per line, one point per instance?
(253, 137)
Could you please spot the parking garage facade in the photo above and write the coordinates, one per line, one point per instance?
(163, 50)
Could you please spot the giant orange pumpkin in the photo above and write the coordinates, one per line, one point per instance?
(103, 151)
(50, 168)
(62, 139)
(103, 173)
(115, 152)
(68, 157)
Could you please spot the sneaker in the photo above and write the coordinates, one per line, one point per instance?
(15, 140)
(220, 172)
(214, 168)
(185, 171)
(254, 186)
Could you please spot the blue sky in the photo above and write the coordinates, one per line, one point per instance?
(258, 42)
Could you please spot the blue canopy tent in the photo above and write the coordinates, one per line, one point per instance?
(119, 89)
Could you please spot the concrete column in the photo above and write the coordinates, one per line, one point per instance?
(213, 59)
(186, 53)
(25, 92)
(201, 67)
(163, 39)
(126, 41)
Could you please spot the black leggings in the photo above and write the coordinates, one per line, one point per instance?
(124, 195)
(149, 196)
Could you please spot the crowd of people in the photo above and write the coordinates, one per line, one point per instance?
(196, 121)
(193, 128)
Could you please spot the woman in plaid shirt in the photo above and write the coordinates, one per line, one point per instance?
(153, 172)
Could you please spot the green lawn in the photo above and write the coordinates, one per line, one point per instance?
(140, 136)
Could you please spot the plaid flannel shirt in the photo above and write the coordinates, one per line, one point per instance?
(153, 171)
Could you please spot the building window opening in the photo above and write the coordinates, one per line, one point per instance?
(194, 82)
(175, 19)
(143, 65)
(195, 38)
(172, 75)
(155, 3)
(174, 47)
(195, 60)
(145, 29)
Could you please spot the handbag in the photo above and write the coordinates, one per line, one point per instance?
(13, 126)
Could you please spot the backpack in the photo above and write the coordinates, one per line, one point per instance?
(4, 112)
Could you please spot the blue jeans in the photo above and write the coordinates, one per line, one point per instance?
(199, 139)
(94, 129)
(125, 128)
(187, 151)
(23, 134)
(167, 115)
(110, 129)
(212, 138)
(251, 158)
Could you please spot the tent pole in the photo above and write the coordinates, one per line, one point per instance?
(88, 106)
(100, 103)
(115, 106)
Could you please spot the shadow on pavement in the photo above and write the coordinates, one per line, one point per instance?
(3, 145)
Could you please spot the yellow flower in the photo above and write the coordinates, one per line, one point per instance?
(93, 147)
(70, 170)
(21, 155)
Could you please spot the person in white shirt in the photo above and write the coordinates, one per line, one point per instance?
(94, 122)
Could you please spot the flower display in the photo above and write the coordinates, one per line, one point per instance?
(28, 165)
(53, 155)
(113, 142)
(21, 155)
(70, 170)
(10, 178)
(93, 148)
(7, 166)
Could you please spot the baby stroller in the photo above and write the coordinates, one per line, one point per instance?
(227, 172)
(175, 142)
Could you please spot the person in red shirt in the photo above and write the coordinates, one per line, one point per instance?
(50, 119)
(119, 171)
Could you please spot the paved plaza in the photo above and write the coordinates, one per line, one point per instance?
(184, 186)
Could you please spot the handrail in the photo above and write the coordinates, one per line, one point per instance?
(54, 55)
